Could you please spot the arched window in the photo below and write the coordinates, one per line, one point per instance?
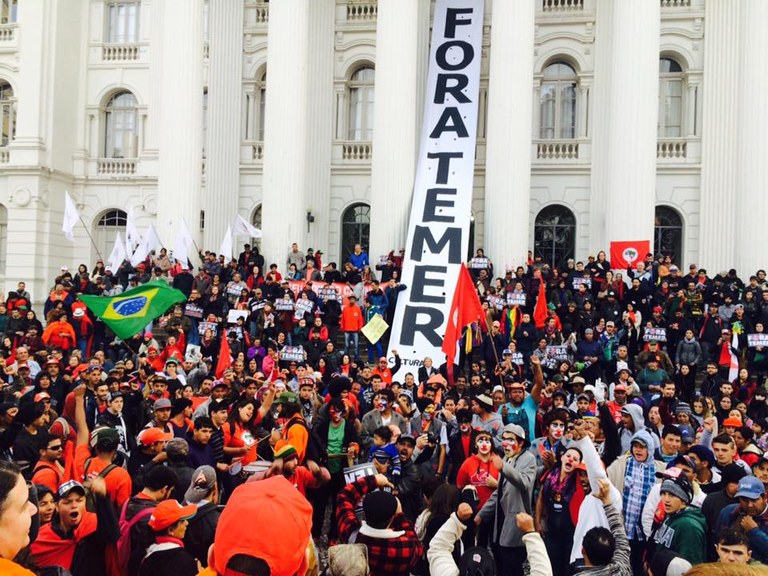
(123, 21)
(262, 107)
(670, 99)
(256, 221)
(121, 137)
(558, 102)
(668, 233)
(106, 229)
(7, 114)
(554, 235)
(361, 105)
(3, 237)
(355, 229)
(8, 9)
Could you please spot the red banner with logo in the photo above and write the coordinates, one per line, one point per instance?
(629, 253)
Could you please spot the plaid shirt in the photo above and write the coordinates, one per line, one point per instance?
(386, 556)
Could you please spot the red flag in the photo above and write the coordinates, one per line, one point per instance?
(624, 254)
(465, 309)
(225, 359)
(540, 310)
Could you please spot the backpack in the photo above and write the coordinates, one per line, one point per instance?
(124, 541)
(348, 560)
(90, 503)
(315, 450)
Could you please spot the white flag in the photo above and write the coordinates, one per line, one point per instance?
(183, 245)
(150, 241)
(118, 254)
(71, 218)
(226, 244)
(243, 228)
(132, 236)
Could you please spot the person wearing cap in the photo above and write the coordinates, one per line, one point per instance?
(169, 521)
(633, 474)
(684, 528)
(149, 452)
(393, 546)
(77, 539)
(512, 496)
(286, 462)
(352, 321)
(750, 515)
(294, 428)
(382, 368)
(651, 378)
(283, 516)
(202, 492)
(653, 510)
(95, 455)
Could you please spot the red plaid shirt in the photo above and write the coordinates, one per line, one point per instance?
(386, 556)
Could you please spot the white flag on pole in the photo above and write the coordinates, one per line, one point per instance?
(132, 236)
(71, 217)
(226, 244)
(244, 228)
(149, 242)
(118, 254)
(183, 245)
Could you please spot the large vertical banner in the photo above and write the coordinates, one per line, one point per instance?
(438, 231)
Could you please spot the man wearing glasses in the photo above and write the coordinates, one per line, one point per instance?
(48, 471)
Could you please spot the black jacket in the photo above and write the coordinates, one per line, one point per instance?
(176, 561)
(201, 531)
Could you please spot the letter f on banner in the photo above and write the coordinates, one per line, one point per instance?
(465, 309)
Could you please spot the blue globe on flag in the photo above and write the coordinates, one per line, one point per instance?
(130, 306)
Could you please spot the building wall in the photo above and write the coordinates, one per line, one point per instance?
(77, 72)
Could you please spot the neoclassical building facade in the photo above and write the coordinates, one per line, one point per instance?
(598, 120)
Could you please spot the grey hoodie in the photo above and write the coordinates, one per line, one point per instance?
(625, 436)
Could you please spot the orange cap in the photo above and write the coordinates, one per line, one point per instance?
(168, 512)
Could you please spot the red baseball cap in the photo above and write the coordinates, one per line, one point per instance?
(149, 436)
(168, 512)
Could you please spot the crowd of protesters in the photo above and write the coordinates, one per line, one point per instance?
(619, 429)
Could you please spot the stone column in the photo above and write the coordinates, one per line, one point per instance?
(508, 150)
(285, 135)
(320, 119)
(751, 201)
(222, 169)
(626, 160)
(181, 135)
(402, 54)
(719, 139)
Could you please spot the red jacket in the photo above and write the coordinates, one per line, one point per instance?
(352, 318)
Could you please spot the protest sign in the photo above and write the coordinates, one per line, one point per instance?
(516, 298)
(657, 334)
(292, 354)
(757, 340)
(375, 328)
(233, 315)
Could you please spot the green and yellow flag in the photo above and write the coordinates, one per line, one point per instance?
(128, 314)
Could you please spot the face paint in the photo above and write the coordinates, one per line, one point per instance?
(464, 428)
(484, 446)
(556, 430)
(509, 445)
(382, 404)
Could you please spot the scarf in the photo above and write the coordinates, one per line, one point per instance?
(50, 549)
(638, 480)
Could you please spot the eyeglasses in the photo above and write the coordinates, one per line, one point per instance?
(55, 448)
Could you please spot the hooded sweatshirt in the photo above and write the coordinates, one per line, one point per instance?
(625, 435)
(684, 532)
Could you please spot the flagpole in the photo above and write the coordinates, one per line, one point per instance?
(98, 252)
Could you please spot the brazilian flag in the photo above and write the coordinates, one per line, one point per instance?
(128, 314)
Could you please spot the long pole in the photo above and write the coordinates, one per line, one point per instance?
(98, 252)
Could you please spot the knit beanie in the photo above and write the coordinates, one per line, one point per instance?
(379, 508)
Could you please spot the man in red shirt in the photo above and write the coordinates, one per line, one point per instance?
(382, 369)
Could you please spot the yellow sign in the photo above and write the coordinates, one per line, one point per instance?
(375, 328)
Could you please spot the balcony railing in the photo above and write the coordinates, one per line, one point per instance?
(5, 155)
(120, 52)
(557, 150)
(671, 149)
(675, 3)
(562, 5)
(362, 11)
(117, 166)
(258, 151)
(262, 13)
(356, 150)
(7, 32)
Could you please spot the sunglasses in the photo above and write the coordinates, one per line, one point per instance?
(55, 448)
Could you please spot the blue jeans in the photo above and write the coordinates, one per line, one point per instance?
(354, 337)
